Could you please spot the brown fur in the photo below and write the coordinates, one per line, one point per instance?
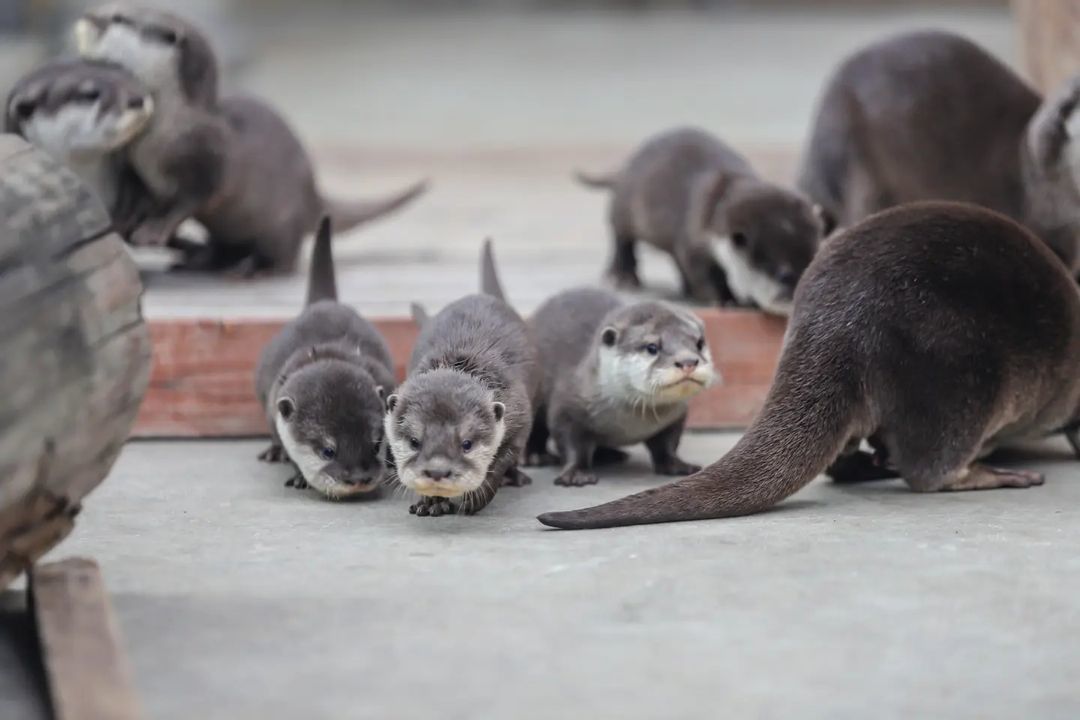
(937, 330)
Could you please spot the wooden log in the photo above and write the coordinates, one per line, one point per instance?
(85, 664)
(1049, 39)
(76, 351)
(202, 382)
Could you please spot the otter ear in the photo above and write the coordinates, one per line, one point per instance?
(499, 409)
(380, 392)
(286, 407)
(827, 220)
(391, 402)
(609, 336)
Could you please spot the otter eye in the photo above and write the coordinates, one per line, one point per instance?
(88, 95)
(24, 109)
(739, 240)
(652, 349)
(119, 19)
(414, 443)
(701, 344)
(466, 445)
(168, 37)
(327, 453)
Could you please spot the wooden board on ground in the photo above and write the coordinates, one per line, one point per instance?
(202, 382)
(88, 673)
(76, 352)
(1049, 39)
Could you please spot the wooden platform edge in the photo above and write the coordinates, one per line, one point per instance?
(202, 379)
(87, 669)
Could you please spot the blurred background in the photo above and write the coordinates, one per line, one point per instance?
(498, 101)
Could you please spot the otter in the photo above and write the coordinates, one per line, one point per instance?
(684, 191)
(322, 381)
(905, 119)
(614, 374)
(938, 330)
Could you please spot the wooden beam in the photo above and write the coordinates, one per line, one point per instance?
(87, 670)
(202, 381)
(1049, 39)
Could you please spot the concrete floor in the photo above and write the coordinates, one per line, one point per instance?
(240, 598)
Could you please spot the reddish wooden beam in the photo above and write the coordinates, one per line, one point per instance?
(202, 383)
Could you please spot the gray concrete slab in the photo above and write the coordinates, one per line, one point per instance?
(241, 598)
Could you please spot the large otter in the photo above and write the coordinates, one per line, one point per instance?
(932, 116)
(938, 330)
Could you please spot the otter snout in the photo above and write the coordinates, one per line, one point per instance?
(687, 365)
(437, 473)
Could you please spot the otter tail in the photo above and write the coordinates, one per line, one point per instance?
(605, 181)
(322, 285)
(350, 214)
(805, 423)
(489, 276)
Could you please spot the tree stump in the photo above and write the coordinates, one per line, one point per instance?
(74, 351)
(1049, 39)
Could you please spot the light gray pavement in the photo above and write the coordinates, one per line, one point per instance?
(240, 598)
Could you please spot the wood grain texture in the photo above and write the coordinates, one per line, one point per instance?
(87, 670)
(202, 382)
(76, 352)
(1050, 40)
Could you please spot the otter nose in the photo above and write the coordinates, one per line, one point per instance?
(687, 364)
(787, 277)
(436, 473)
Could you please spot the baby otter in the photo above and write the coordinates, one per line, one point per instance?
(684, 191)
(459, 423)
(615, 374)
(322, 381)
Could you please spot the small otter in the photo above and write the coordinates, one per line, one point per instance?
(459, 423)
(904, 119)
(684, 191)
(615, 374)
(322, 381)
(937, 330)
(233, 164)
(83, 113)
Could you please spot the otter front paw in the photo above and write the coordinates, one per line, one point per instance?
(575, 477)
(273, 454)
(675, 466)
(431, 507)
(297, 481)
(515, 478)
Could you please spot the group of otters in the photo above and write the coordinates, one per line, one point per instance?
(928, 264)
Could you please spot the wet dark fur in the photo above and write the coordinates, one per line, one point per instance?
(474, 346)
(568, 331)
(935, 329)
(913, 118)
(236, 166)
(336, 369)
(682, 183)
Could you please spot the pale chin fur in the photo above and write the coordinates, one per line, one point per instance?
(152, 63)
(747, 284)
(311, 466)
(459, 485)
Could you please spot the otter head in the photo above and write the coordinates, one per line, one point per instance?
(166, 52)
(444, 428)
(328, 414)
(78, 110)
(764, 237)
(653, 353)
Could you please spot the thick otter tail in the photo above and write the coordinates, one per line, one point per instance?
(599, 181)
(489, 276)
(322, 284)
(349, 214)
(805, 423)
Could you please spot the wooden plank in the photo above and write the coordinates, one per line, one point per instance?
(202, 380)
(87, 670)
(1050, 40)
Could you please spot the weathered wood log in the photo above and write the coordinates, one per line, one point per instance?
(74, 351)
(1049, 39)
(202, 384)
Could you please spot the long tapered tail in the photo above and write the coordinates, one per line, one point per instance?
(350, 214)
(489, 276)
(322, 283)
(600, 181)
(802, 428)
